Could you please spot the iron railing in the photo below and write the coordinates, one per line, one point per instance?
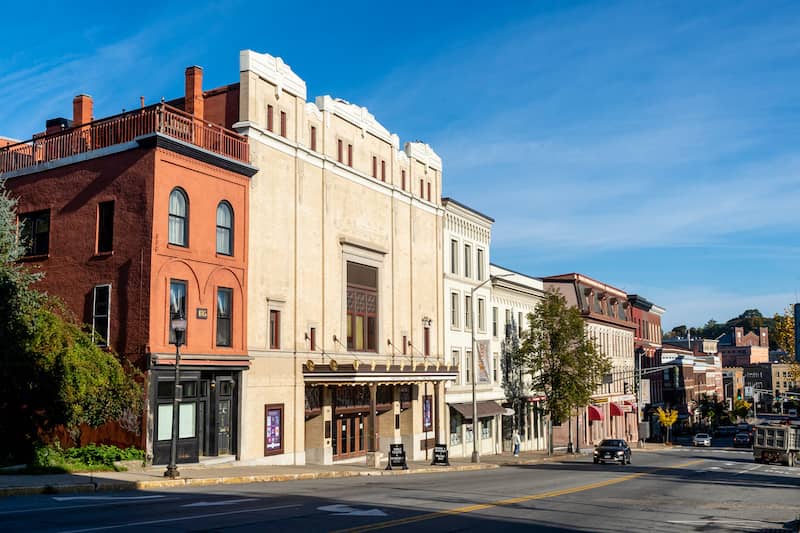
(123, 128)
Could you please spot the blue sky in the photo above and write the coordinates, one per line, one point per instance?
(649, 145)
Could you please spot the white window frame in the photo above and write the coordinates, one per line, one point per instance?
(455, 311)
(467, 260)
(107, 317)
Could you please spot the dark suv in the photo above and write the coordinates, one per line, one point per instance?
(741, 439)
(612, 450)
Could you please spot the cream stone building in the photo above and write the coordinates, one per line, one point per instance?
(345, 315)
(467, 288)
(514, 297)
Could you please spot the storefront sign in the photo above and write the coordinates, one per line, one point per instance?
(202, 313)
(440, 455)
(397, 457)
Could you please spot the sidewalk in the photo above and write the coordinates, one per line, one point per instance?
(234, 473)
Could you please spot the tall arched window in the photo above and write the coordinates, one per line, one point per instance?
(224, 228)
(178, 218)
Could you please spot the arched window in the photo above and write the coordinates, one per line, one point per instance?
(178, 218)
(224, 228)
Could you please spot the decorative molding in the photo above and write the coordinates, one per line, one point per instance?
(358, 116)
(423, 153)
(274, 70)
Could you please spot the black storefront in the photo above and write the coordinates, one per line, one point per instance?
(208, 413)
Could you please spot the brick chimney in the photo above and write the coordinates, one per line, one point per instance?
(81, 110)
(194, 91)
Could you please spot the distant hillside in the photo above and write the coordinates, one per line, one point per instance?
(750, 320)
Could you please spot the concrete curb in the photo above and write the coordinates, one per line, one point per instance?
(108, 486)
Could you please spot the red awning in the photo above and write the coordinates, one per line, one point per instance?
(632, 404)
(616, 410)
(595, 414)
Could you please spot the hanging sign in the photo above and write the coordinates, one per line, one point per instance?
(483, 361)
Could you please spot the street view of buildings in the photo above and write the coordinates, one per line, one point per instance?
(335, 303)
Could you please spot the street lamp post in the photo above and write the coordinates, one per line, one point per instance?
(476, 455)
(178, 325)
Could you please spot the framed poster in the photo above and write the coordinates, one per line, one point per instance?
(273, 429)
(427, 413)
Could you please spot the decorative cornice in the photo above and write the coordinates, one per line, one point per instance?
(274, 70)
(423, 153)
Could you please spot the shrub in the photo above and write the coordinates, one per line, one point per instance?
(90, 457)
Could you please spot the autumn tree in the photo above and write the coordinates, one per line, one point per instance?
(667, 419)
(741, 408)
(562, 360)
(783, 336)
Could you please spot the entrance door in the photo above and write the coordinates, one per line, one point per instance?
(224, 427)
(224, 401)
(349, 436)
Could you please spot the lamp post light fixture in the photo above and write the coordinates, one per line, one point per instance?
(178, 325)
(476, 455)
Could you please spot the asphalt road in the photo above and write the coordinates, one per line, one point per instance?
(688, 489)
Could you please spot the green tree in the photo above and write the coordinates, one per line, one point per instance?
(563, 361)
(51, 373)
(667, 419)
(513, 369)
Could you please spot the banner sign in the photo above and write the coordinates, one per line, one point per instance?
(645, 392)
(483, 361)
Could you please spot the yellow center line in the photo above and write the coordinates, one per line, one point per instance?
(509, 501)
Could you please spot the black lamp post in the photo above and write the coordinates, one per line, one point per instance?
(178, 325)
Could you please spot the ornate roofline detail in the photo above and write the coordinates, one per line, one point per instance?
(274, 70)
(423, 153)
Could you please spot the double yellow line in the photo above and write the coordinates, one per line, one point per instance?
(510, 501)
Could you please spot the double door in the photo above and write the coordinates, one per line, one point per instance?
(349, 435)
(206, 416)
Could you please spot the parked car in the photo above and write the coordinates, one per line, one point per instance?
(742, 439)
(702, 439)
(613, 450)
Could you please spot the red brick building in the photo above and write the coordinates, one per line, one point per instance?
(647, 348)
(135, 219)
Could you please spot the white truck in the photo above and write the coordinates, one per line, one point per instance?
(777, 443)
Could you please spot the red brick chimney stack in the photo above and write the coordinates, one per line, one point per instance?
(194, 91)
(81, 110)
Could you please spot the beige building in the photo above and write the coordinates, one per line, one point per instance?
(345, 288)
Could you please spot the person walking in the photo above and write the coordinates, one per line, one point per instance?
(517, 442)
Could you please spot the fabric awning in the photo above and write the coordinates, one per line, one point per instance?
(615, 409)
(632, 404)
(485, 409)
(595, 414)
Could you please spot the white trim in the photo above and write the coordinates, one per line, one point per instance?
(108, 313)
(273, 70)
(359, 116)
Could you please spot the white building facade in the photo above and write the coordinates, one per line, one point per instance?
(467, 300)
(514, 297)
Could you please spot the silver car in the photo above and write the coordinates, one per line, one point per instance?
(702, 439)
